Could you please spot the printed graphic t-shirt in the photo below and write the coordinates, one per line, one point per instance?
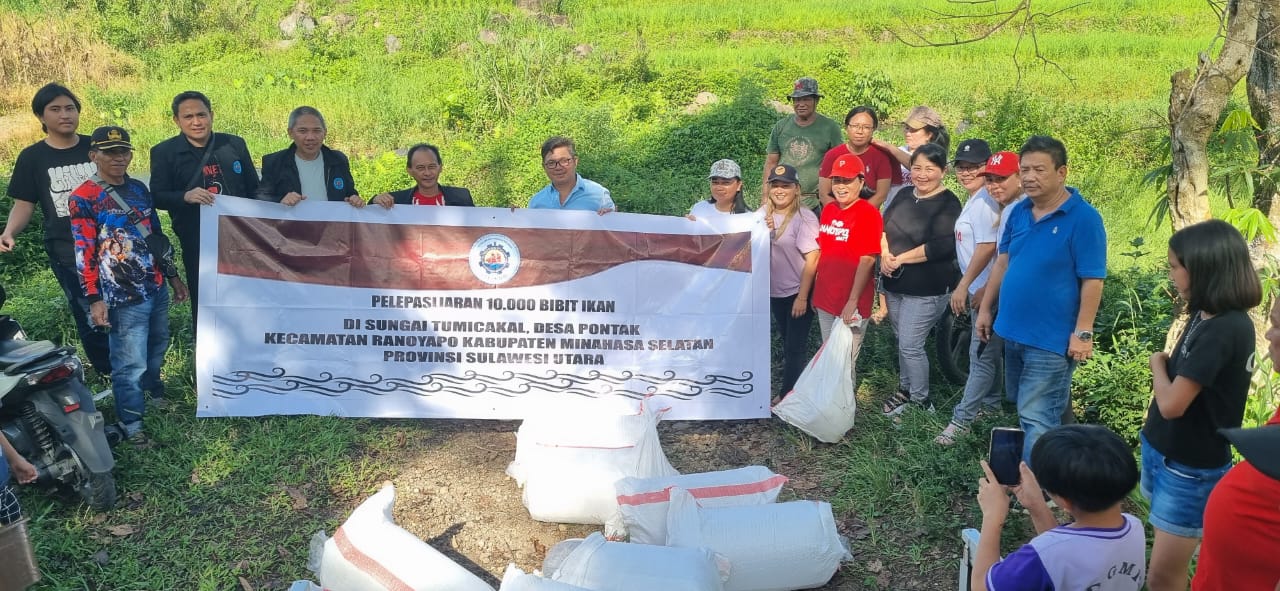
(114, 263)
(804, 147)
(844, 237)
(1076, 558)
(47, 175)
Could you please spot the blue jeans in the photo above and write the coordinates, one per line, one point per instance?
(982, 389)
(96, 346)
(1178, 492)
(1040, 381)
(912, 318)
(139, 339)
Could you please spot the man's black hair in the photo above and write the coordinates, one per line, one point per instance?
(875, 119)
(558, 141)
(416, 147)
(1087, 465)
(46, 95)
(1218, 267)
(1045, 145)
(189, 95)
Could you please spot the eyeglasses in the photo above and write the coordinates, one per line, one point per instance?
(967, 170)
(554, 164)
(861, 127)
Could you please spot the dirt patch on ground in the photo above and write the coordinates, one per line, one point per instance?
(452, 489)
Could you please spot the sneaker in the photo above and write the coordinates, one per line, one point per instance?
(953, 432)
(139, 438)
(898, 407)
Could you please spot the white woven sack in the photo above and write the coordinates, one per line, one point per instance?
(568, 461)
(822, 403)
(371, 553)
(772, 547)
(601, 565)
(517, 580)
(643, 502)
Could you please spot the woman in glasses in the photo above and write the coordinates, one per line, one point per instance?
(918, 265)
(882, 169)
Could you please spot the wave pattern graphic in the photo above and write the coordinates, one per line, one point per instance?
(470, 384)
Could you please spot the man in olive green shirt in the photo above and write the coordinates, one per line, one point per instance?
(801, 140)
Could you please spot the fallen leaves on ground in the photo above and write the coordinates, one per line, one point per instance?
(299, 499)
(122, 530)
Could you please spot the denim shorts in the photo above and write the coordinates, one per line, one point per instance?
(1177, 492)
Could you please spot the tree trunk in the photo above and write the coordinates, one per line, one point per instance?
(1196, 102)
(1263, 83)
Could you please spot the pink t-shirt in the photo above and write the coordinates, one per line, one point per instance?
(786, 254)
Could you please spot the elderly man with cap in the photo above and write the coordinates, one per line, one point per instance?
(726, 192)
(801, 140)
(123, 259)
(975, 251)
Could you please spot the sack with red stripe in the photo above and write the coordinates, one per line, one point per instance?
(774, 547)
(371, 553)
(567, 461)
(643, 502)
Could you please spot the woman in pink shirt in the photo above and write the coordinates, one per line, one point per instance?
(793, 254)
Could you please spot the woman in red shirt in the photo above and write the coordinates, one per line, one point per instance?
(1241, 544)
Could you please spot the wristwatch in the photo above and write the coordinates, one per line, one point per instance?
(1084, 335)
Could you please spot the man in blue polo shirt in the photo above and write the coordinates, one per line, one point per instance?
(568, 190)
(1047, 282)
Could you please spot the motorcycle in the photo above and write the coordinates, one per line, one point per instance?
(48, 414)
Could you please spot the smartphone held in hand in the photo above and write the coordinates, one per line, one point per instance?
(1006, 454)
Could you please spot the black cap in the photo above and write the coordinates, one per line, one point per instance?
(1260, 446)
(973, 151)
(785, 173)
(106, 138)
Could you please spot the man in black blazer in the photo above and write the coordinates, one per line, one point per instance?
(424, 165)
(189, 169)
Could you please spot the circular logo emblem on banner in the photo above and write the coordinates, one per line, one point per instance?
(494, 259)
(235, 166)
(337, 183)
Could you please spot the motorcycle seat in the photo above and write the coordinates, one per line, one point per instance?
(15, 352)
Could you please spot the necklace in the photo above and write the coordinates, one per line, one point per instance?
(1192, 326)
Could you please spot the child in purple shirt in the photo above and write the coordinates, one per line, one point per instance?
(1087, 470)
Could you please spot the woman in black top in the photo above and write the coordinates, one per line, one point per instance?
(918, 261)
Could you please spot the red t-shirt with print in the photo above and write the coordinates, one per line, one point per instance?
(1241, 544)
(844, 237)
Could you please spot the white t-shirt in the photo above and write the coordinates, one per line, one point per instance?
(976, 225)
(311, 173)
(704, 208)
(1065, 557)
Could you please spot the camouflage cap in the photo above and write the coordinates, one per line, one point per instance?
(805, 87)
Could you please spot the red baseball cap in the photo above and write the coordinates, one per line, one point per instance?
(1002, 164)
(848, 167)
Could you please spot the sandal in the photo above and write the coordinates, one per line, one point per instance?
(896, 403)
(953, 432)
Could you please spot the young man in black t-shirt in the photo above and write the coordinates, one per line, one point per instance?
(46, 172)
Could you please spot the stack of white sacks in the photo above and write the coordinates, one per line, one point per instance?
(714, 531)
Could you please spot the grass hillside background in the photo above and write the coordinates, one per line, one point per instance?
(653, 92)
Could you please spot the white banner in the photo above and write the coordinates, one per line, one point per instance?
(459, 312)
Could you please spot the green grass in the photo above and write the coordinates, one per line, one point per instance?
(209, 502)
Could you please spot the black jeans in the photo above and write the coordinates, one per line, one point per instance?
(794, 334)
(95, 343)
